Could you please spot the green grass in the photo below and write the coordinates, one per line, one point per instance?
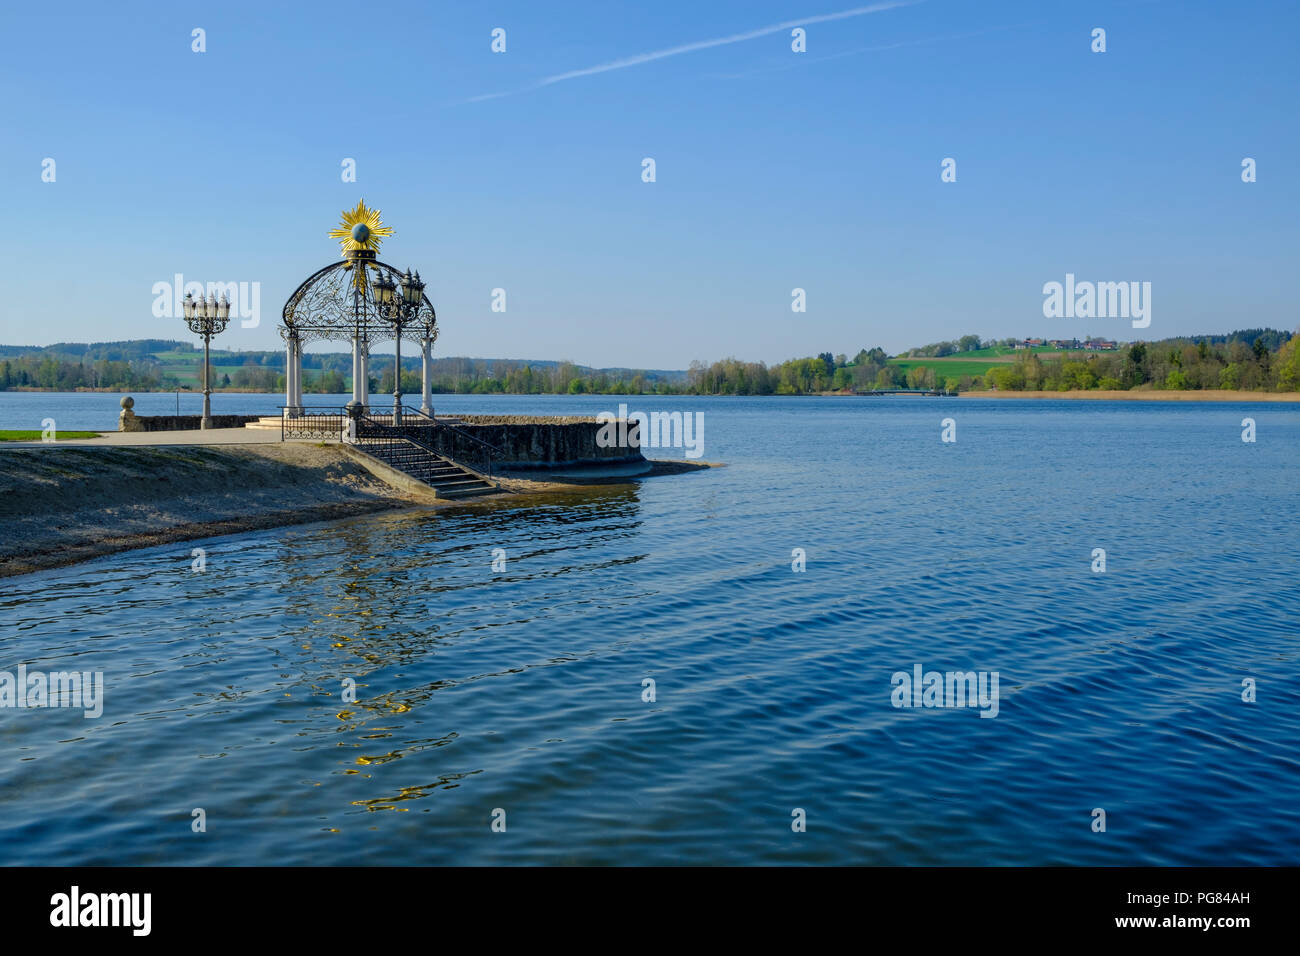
(998, 354)
(175, 356)
(945, 369)
(989, 353)
(32, 435)
(974, 363)
(999, 351)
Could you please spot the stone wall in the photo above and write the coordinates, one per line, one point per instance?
(168, 423)
(531, 441)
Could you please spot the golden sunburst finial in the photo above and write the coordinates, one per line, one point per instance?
(361, 230)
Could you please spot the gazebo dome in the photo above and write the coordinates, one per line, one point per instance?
(338, 303)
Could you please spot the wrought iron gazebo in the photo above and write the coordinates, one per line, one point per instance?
(341, 302)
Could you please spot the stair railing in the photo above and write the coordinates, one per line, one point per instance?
(428, 433)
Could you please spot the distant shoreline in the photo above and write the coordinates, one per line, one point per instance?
(1152, 395)
(87, 390)
(1137, 395)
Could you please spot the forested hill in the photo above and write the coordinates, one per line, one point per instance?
(1248, 359)
(144, 364)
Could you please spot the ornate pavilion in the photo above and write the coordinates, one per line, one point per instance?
(355, 299)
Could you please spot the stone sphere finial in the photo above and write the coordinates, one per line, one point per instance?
(128, 402)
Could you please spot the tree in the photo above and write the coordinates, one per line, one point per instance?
(1006, 378)
(1135, 370)
(1286, 365)
(327, 383)
(1077, 375)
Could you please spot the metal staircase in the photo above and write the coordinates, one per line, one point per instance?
(431, 451)
(444, 476)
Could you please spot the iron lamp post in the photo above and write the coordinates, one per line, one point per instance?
(206, 318)
(398, 309)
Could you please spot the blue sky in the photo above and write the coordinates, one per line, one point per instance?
(775, 169)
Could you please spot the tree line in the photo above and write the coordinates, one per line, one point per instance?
(1170, 364)
(37, 371)
(1252, 360)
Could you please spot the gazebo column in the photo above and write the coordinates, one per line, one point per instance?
(358, 392)
(365, 374)
(288, 376)
(426, 375)
(293, 376)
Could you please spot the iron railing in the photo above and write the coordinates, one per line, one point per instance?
(316, 421)
(449, 441)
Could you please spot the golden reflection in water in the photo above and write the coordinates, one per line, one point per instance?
(446, 782)
(371, 586)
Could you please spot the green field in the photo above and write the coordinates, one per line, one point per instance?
(187, 367)
(945, 369)
(973, 363)
(32, 435)
(1003, 352)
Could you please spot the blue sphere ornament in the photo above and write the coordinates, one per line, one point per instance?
(361, 232)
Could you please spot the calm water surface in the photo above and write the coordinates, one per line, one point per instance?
(522, 690)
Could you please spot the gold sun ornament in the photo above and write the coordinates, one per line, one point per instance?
(362, 231)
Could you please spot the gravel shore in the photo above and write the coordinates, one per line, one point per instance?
(61, 505)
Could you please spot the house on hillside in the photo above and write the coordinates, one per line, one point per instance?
(1100, 345)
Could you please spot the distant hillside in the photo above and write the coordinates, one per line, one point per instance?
(1248, 359)
(145, 364)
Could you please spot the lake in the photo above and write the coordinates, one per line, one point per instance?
(523, 689)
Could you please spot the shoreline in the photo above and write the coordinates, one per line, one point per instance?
(63, 505)
(1152, 395)
(1142, 395)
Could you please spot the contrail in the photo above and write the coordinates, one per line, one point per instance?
(868, 49)
(724, 41)
(699, 45)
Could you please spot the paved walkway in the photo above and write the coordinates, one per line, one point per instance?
(213, 436)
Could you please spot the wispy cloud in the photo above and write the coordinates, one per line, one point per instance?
(640, 58)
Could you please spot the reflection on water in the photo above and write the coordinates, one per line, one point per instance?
(521, 689)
